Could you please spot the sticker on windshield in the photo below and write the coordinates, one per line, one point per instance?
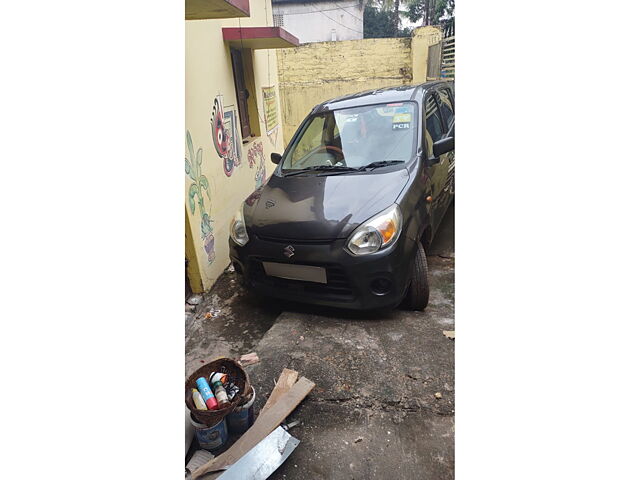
(401, 121)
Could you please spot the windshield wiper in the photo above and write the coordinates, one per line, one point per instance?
(371, 166)
(382, 163)
(325, 168)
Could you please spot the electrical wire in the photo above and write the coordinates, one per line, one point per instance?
(354, 16)
(266, 19)
(324, 10)
(341, 24)
(240, 29)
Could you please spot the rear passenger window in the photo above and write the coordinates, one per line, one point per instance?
(432, 122)
(446, 107)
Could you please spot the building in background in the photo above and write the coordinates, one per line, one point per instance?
(320, 21)
(233, 122)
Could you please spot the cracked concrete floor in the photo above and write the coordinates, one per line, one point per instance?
(374, 412)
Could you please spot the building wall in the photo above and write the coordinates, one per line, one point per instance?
(216, 184)
(318, 21)
(313, 73)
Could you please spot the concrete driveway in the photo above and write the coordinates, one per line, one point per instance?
(383, 406)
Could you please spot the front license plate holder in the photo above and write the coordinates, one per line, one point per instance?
(304, 273)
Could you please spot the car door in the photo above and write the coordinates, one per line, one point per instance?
(447, 110)
(437, 168)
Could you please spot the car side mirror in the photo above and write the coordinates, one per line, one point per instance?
(276, 157)
(443, 146)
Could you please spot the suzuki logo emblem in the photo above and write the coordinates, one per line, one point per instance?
(289, 251)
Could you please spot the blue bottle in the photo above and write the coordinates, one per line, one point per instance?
(207, 395)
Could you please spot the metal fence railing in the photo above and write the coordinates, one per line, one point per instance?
(448, 63)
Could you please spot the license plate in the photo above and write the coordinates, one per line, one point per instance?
(306, 273)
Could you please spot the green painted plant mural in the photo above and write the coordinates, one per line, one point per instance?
(196, 192)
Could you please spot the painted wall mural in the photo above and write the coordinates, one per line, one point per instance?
(224, 129)
(195, 194)
(255, 156)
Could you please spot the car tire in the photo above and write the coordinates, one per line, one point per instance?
(418, 292)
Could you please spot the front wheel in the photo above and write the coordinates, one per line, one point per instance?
(418, 292)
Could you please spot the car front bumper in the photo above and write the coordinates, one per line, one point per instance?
(374, 281)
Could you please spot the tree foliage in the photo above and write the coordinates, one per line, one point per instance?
(378, 23)
(437, 10)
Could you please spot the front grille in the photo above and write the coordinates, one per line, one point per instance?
(301, 241)
(337, 286)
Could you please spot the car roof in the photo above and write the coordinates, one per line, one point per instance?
(400, 93)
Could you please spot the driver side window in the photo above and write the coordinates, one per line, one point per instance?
(446, 107)
(433, 123)
(310, 140)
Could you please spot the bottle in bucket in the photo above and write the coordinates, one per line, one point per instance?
(207, 394)
(221, 395)
(197, 400)
(218, 377)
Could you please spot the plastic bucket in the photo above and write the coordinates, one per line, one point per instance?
(242, 416)
(211, 438)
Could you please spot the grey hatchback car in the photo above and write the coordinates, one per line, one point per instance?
(357, 196)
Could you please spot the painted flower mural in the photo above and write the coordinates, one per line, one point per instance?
(255, 156)
(195, 194)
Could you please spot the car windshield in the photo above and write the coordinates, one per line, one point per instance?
(355, 138)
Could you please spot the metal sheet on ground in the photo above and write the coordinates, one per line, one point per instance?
(263, 459)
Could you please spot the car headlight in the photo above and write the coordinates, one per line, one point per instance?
(238, 230)
(380, 231)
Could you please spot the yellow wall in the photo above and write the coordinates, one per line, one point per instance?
(421, 40)
(315, 72)
(209, 74)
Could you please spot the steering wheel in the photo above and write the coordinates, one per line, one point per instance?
(330, 149)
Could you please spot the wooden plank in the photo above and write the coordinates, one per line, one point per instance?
(264, 425)
(283, 385)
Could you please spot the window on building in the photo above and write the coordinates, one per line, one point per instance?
(242, 92)
(278, 20)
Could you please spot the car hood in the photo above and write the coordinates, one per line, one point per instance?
(320, 207)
